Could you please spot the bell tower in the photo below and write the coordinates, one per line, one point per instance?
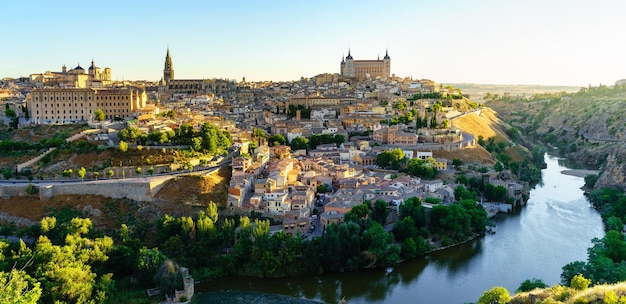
(168, 70)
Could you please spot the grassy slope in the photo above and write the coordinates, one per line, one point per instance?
(562, 294)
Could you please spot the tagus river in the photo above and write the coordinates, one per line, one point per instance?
(553, 229)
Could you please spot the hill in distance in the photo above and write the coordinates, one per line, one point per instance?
(478, 91)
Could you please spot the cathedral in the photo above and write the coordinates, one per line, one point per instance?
(361, 69)
(170, 84)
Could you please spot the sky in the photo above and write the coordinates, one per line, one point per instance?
(552, 42)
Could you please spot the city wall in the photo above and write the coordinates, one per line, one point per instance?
(135, 189)
(139, 189)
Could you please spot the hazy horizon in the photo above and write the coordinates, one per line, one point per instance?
(565, 43)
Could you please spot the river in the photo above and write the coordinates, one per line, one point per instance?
(553, 229)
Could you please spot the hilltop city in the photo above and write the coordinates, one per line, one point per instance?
(305, 148)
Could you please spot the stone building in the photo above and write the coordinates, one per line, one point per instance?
(78, 105)
(168, 83)
(360, 69)
(74, 78)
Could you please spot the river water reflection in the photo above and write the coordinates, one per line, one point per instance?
(555, 228)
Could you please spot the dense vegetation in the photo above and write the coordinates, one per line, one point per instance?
(209, 138)
(528, 170)
(360, 241)
(606, 262)
(73, 263)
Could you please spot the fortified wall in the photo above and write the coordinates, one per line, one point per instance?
(139, 189)
(135, 189)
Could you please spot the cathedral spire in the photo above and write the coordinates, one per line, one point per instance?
(168, 69)
(386, 54)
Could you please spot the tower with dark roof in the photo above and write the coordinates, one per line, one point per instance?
(168, 70)
(387, 64)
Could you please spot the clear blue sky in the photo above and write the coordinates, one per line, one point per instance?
(567, 42)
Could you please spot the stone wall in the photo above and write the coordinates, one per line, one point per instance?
(10, 190)
(140, 189)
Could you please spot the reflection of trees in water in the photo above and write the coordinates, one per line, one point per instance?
(328, 289)
(410, 270)
(458, 258)
(372, 284)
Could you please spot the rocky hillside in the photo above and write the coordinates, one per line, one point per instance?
(588, 126)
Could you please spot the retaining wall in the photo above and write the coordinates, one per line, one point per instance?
(139, 189)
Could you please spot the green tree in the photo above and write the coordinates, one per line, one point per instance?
(110, 173)
(380, 211)
(299, 143)
(123, 146)
(409, 248)
(495, 295)
(277, 140)
(579, 282)
(81, 173)
(47, 224)
(148, 263)
(151, 170)
(590, 181)
(358, 213)
(67, 173)
(498, 167)
(614, 223)
(138, 170)
(14, 120)
(258, 133)
(196, 144)
(7, 173)
(99, 115)
(323, 188)
(379, 244)
(17, 287)
(212, 211)
(531, 284)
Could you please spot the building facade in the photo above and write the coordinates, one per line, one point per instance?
(168, 83)
(77, 77)
(361, 69)
(78, 105)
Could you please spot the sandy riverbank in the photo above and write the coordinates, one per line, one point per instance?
(580, 172)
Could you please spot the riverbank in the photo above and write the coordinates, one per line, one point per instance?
(236, 297)
(580, 172)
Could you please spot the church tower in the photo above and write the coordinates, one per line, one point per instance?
(387, 64)
(347, 68)
(168, 70)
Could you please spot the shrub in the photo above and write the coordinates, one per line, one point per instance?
(31, 189)
(579, 282)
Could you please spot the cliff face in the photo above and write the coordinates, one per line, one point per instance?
(588, 126)
(614, 173)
